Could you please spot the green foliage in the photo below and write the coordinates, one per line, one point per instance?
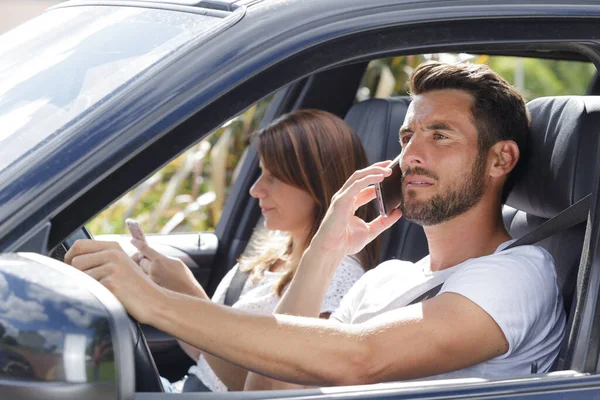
(187, 194)
(533, 77)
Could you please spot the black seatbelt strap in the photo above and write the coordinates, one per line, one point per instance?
(568, 218)
(235, 287)
(428, 294)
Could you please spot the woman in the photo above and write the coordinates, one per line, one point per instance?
(305, 158)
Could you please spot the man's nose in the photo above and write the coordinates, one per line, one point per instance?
(413, 153)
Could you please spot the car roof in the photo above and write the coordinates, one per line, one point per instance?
(220, 5)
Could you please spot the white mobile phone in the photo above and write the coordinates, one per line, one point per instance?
(135, 229)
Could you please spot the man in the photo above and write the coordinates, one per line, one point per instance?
(497, 313)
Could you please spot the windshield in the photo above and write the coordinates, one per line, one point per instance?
(57, 67)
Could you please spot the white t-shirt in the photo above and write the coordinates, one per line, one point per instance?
(516, 287)
(260, 296)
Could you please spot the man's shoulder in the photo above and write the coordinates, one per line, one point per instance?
(528, 262)
(390, 269)
(526, 254)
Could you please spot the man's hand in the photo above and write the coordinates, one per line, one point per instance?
(168, 272)
(343, 232)
(109, 264)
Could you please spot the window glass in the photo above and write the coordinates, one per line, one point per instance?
(188, 194)
(58, 67)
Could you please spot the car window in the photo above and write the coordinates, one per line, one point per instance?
(64, 63)
(533, 77)
(188, 194)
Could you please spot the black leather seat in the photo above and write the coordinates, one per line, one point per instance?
(377, 122)
(558, 173)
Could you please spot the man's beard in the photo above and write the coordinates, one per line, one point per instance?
(442, 207)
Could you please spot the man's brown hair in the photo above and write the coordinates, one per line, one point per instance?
(499, 111)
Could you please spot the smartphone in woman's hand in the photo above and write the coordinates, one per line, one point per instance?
(135, 229)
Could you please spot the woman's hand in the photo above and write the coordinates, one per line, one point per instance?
(168, 272)
(111, 266)
(343, 232)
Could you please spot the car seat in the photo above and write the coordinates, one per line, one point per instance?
(556, 174)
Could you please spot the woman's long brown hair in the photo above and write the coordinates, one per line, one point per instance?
(317, 152)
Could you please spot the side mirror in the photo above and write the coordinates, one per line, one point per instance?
(62, 334)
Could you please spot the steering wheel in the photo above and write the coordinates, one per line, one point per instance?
(147, 378)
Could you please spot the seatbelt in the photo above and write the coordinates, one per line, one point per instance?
(567, 218)
(235, 287)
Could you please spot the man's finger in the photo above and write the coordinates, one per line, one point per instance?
(381, 223)
(357, 187)
(379, 168)
(86, 246)
(145, 249)
(88, 261)
(98, 273)
(364, 197)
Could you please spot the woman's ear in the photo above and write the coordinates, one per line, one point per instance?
(505, 155)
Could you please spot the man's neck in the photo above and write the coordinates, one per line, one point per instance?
(470, 235)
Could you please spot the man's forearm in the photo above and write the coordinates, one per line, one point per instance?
(191, 351)
(261, 347)
(424, 339)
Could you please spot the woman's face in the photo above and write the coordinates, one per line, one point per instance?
(284, 207)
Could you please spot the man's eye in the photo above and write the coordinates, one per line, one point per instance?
(404, 140)
(438, 136)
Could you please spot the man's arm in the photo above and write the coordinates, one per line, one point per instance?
(425, 339)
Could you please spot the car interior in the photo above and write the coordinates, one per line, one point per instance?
(561, 169)
(563, 147)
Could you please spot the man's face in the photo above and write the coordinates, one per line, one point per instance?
(444, 174)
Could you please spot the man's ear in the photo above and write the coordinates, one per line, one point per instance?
(504, 157)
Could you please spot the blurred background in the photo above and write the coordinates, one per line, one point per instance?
(188, 194)
(15, 12)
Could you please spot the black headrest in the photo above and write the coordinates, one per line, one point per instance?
(560, 159)
(377, 122)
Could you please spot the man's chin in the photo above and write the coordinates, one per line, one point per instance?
(420, 213)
